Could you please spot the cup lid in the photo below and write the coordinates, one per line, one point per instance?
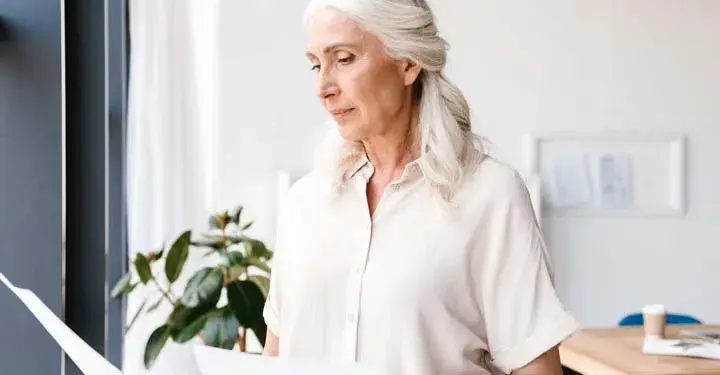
(654, 309)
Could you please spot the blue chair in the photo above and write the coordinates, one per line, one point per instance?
(636, 319)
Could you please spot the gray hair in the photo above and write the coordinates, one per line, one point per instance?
(407, 28)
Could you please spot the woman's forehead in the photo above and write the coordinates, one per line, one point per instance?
(328, 28)
(330, 32)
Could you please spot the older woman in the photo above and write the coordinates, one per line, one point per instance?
(413, 253)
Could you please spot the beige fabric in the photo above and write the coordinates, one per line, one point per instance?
(415, 291)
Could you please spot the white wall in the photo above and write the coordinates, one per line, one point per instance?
(268, 113)
(524, 66)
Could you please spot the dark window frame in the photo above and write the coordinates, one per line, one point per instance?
(96, 58)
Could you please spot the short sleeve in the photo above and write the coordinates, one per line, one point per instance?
(273, 304)
(523, 314)
(271, 311)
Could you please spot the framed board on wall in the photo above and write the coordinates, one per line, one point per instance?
(609, 173)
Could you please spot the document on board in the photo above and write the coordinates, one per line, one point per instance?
(83, 355)
(570, 181)
(615, 181)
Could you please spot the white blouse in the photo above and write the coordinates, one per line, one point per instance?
(414, 291)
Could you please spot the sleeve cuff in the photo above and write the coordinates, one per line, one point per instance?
(542, 340)
(271, 319)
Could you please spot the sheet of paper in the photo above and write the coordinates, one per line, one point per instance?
(678, 347)
(615, 181)
(570, 181)
(214, 361)
(82, 354)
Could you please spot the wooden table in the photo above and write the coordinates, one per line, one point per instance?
(618, 351)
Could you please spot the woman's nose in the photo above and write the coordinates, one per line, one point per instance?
(327, 88)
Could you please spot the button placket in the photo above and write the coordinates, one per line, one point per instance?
(354, 293)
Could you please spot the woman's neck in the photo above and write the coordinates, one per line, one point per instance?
(390, 152)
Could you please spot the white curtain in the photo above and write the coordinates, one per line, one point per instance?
(172, 122)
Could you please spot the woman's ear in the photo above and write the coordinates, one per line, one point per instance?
(410, 72)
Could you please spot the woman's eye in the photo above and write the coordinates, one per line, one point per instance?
(315, 67)
(346, 60)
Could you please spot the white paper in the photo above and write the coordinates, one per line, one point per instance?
(615, 182)
(214, 361)
(570, 181)
(684, 348)
(711, 336)
(82, 354)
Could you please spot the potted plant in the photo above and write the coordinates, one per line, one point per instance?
(240, 273)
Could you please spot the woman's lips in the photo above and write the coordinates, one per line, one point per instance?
(341, 112)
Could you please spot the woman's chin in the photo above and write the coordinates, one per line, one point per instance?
(349, 132)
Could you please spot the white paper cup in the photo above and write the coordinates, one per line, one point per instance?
(654, 321)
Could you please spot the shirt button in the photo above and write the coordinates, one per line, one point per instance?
(351, 318)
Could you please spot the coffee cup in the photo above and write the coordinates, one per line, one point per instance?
(654, 321)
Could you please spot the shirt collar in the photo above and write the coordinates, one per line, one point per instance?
(363, 166)
(362, 163)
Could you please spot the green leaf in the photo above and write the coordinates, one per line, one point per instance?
(254, 261)
(262, 282)
(132, 287)
(236, 272)
(236, 239)
(256, 248)
(124, 285)
(191, 330)
(235, 216)
(221, 329)
(143, 268)
(182, 316)
(135, 316)
(246, 301)
(203, 288)
(155, 304)
(248, 225)
(155, 344)
(177, 256)
(235, 258)
(183, 321)
(260, 332)
(213, 243)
